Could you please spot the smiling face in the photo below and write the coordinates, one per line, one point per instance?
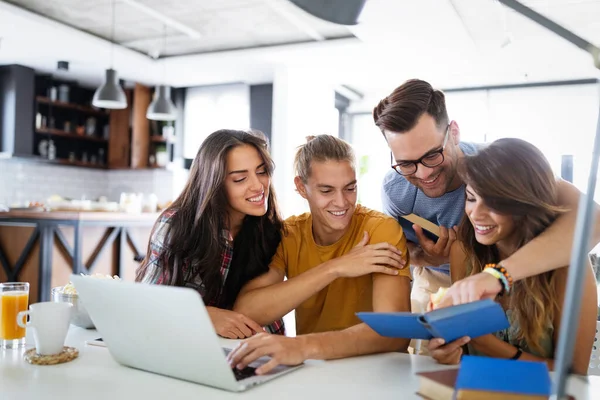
(246, 184)
(490, 226)
(422, 141)
(331, 192)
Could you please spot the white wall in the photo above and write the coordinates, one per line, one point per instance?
(303, 105)
(23, 181)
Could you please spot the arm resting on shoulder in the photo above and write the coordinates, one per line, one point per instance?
(552, 248)
(269, 297)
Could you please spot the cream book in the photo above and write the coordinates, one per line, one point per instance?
(423, 223)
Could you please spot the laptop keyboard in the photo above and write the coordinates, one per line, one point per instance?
(241, 374)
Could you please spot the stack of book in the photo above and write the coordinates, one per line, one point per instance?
(488, 379)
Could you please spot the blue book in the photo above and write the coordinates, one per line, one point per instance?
(497, 378)
(472, 319)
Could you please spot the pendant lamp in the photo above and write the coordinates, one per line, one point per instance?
(110, 95)
(162, 108)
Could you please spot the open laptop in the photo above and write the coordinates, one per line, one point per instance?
(165, 330)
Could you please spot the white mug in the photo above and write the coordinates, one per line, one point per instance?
(50, 323)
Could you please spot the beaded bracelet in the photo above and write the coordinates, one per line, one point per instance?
(505, 278)
(498, 276)
(506, 274)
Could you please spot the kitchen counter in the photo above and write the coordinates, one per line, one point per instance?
(80, 215)
(45, 247)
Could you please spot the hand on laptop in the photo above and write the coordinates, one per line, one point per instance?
(282, 350)
(472, 288)
(447, 353)
(367, 258)
(231, 324)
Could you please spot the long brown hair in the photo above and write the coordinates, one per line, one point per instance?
(514, 178)
(195, 237)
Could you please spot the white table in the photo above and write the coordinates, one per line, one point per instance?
(95, 375)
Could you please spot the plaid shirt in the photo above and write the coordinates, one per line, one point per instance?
(156, 273)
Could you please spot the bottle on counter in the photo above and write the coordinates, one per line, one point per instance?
(51, 150)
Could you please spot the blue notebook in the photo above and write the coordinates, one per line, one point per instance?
(484, 374)
(472, 319)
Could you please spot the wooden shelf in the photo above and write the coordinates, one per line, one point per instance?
(71, 106)
(62, 161)
(58, 132)
(79, 164)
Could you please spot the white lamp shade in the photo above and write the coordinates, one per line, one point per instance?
(162, 108)
(110, 94)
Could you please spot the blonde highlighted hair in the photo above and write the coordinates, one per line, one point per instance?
(321, 148)
(514, 178)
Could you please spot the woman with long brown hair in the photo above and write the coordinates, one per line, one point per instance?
(511, 197)
(222, 230)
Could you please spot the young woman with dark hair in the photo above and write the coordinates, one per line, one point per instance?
(222, 230)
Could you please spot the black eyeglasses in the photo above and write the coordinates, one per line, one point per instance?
(431, 159)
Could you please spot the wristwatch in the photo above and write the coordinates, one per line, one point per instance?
(517, 355)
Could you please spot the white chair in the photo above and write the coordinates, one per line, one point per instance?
(594, 368)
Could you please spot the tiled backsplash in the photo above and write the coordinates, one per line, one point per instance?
(22, 181)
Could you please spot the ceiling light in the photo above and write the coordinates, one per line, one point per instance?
(110, 94)
(162, 108)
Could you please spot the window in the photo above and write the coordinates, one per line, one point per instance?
(209, 108)
(559, 120)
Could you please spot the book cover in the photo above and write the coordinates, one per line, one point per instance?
(502, 379)
(423, 223)
(437, 385)
(472, 319)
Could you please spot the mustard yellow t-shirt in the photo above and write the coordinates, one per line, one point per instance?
(333, 307)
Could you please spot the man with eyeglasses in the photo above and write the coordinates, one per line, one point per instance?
(426, 149)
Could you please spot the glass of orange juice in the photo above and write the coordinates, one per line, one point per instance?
(14, 297)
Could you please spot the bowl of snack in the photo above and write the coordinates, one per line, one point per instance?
(68, 294)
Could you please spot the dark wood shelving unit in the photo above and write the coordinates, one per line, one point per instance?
(58, 132)
(65, 124)
(72, 106)
(78, 163)
(41, 126)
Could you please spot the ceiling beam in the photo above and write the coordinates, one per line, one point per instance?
(170, 22)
